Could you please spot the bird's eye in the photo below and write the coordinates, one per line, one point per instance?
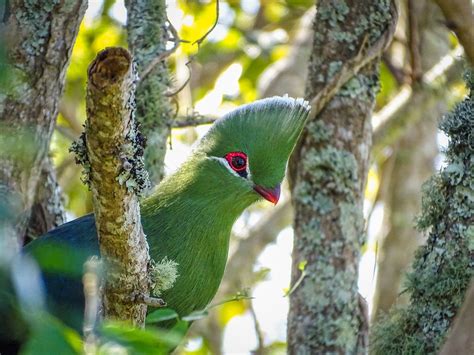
(237, 161)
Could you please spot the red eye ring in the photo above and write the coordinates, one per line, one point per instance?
(237, 161)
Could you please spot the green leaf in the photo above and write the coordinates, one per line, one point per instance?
(196, 315)
(302, 265)
(49, 336)
(161, 315)
(139, 341)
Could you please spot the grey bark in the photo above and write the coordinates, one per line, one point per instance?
(328, 171)
(39, 37)
(112, 156)
(443, 268)
(147, 38)
(412, 163)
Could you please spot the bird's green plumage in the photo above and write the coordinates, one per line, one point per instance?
(189, 217)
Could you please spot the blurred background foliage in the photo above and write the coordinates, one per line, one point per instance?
(224, 71)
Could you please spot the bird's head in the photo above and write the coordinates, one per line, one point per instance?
(249, 147)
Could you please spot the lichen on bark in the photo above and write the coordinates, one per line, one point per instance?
(328, 171)
(443, 267)
(147, 38)
(38, 36)
(113, 152)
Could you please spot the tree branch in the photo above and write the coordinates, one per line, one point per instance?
(148, 35)
(114, 148)
(461, 338)
(458, 14)
(48, 211)
(391, 121)
(39, 41)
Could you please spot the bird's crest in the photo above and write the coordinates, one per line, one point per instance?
(265, 130)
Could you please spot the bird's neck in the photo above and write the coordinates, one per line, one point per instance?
(193, 206)
(188, 220)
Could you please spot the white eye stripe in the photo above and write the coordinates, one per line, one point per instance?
(224, 162)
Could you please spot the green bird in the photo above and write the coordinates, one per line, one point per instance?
(189, 217)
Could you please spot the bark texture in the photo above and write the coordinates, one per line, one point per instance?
(47, 211)
(328, 171)
(443, 268)
(460, 18)
(114, 162)
(411, 163)
(461, 337)
(39, 36)
(147, 38)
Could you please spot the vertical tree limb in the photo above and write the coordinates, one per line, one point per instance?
(443, 268)
(114, 159)
(412, 162)
(147, 38)
(47, 211)
(461, 338)
(328, 171)
(460, 19)
(39, 37)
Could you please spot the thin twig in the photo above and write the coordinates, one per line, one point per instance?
(149, 301)
(200, 40)
(192, 122)
(163, 55)
(414, 42)
(182, 86)
(258, 330)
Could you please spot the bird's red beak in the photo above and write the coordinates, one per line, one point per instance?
(272, 195)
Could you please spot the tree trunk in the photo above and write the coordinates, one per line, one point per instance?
(328, 171)
(412, 163)
(443, 268)
(147, 38)
(39, 38)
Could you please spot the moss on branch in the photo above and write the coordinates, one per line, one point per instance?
(112, 153)
(444, 266)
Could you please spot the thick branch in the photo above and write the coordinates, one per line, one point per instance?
(460, 19)
(461, 338)
(113, 151)
(39, 41)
